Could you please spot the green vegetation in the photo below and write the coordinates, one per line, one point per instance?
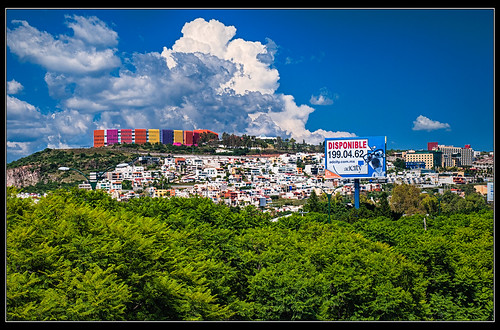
(47, 162)
(80, 255)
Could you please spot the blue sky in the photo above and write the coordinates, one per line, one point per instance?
(416, 76)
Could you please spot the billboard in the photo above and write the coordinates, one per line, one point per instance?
(359, 157)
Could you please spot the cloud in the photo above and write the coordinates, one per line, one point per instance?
(18, 148)
(325, 97)
(63, 54)
(14, 87)
(26, 128)
(207, 79)
(423, 123)
(92, 31)
(214, 38)
(21, 111)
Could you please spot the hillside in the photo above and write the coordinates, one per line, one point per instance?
(39, 171)
(42, 167)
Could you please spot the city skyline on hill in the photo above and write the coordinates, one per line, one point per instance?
(414, 75)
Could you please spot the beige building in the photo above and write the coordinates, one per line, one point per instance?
(456, 156)
(429, 158)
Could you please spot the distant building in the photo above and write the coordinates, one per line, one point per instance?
(432, 146)
(423, 159)
(107, 137)
(456, 156)
(453, 156)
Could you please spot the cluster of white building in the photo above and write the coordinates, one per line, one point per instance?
(235, 180)
(248, 180)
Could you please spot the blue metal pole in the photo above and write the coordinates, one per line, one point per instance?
(356, 193)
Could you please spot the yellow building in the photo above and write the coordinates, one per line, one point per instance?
(153, 135)
(426, 157)
(178, 136)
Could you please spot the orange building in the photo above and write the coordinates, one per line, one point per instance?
(141, 136)
(98, 138)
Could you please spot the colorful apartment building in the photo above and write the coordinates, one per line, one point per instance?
(167, 136)
(111, 136)
(178, 137)
(107, 137)
(141, 136)
(126, 136)
(153, 135)
(188, 138)
(99, 140)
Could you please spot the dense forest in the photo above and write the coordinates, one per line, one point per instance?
(80, 255)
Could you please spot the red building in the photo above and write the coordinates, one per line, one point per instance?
(126, 136)
(432, 145)
(188, 138)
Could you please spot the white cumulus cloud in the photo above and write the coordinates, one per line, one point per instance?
(207, 79)
(423, 123)
(14, 87)
(63, 54)
(214, 38)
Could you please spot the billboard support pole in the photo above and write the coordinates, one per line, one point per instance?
(356, 193)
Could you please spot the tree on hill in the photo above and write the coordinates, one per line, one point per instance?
(406, 199)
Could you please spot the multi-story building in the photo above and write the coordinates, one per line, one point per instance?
(111, 136)
(178, 137)
(153, 135)
(126, 136)
(188, 138)
(456, 156)
(141, 136)
(467, 156)
(167, 136)
(423, 159)
(99, 140)
(106, 137)
(432, 146)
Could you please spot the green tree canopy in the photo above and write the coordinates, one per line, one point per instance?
(79, 255)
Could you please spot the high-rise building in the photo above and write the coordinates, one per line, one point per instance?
(167, 136)
(188, 138)
(423, 159)
(196, 137)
